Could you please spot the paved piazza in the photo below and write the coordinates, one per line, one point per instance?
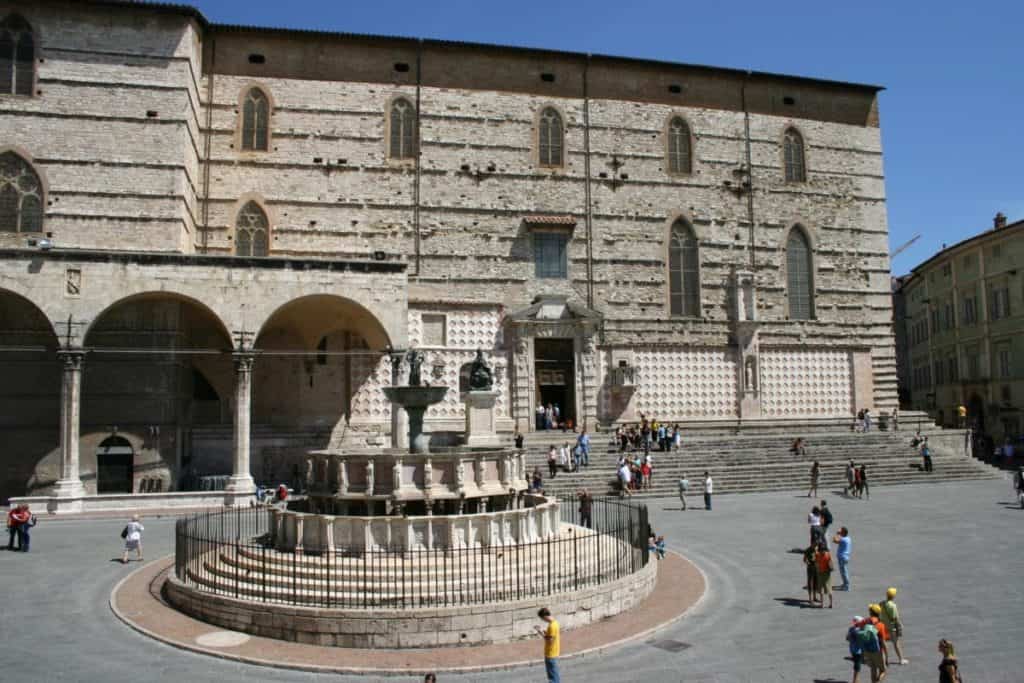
(934, 542)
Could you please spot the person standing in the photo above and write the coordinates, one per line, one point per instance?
(586, 506)
(867, 420)
(541, 413)
(811, 574)
(24, 520)
(823, 565)
(709, 486)
(856, 651)
(552, 461)
(826, 519)
(552, 644)
(518, 438)
(961, 413)
(862, 482)
(869, 640)
(814, 522)
(625, 479)
(949, 667)
(875, 617)
(14, 522)
(926, 455)
(843, 547)
(815, 473)
(132, 535)
(895, 419)
(565, 457)
(851, 478)
(583, 441)
(684, 486)
(1018, 485)
(890, 616)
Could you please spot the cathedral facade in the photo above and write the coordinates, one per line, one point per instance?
(216, 242)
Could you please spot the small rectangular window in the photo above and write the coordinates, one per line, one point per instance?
(256, 58)
(549, 251)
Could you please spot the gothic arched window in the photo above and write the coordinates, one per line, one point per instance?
(683, 272)
(679, 158)
(17, 56)
(793, 153)
(402, 122)
(799, 275)
(255, 120)
(252, 231)
(550, 138)
(21, 195)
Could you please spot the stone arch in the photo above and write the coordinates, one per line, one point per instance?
(144, 295)
(323, 306)
(41, 330)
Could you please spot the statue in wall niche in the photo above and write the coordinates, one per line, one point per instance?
(396, 474)
(415, 359)
(369, 477)
(460, 476)
(428, 474)
(750, 374)
(479, 471)
(309, 473)
(480, 376)
(341, 476)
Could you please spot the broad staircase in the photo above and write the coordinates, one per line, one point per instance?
(761, 461)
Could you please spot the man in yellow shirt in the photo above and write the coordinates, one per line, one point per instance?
(961, 412)
(552, 644)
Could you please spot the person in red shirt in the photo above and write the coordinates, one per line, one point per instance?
(23, 521)
(883, 633)
(12, 527)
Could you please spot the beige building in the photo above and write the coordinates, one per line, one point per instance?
(211, 237)
(962, 322)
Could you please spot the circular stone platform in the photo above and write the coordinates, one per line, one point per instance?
(138, 601)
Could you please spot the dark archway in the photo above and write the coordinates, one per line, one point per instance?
(976, 414)
(159, 372)
(29, 398)
(115, 466)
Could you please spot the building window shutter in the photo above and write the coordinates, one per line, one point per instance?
(793, 151)
(550, 138)
(21, 195)
(252, 231)
(683, 271)
(679, 157)
(255, 121)
(799, 276)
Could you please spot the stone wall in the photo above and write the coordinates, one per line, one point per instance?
(382, 628)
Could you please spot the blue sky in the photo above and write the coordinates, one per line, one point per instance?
(952, 113)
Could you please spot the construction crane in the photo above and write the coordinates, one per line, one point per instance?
(903, 247)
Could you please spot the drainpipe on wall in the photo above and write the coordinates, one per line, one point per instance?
(419, 152)
(204, 241)
(750, 172)
(586, 185)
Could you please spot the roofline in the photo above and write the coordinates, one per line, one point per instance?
(916, 270)
(197, 15)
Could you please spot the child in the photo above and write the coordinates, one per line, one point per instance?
(657, 546)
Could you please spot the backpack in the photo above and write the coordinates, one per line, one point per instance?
(868, 636)
(124, 532)
(684, 484)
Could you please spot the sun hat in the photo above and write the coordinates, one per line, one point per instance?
(891, 593)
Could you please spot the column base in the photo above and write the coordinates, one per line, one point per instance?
(69, 488)
(239, 487)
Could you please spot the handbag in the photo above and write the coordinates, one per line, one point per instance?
(124, 532)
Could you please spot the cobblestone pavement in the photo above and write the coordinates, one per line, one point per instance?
(951, 548)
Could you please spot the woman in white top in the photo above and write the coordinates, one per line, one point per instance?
(132, 538)
(563, 457)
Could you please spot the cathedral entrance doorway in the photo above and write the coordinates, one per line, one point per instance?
(115, 462)
(555, 372)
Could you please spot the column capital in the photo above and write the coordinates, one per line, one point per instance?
(243, 360)
(71, 358)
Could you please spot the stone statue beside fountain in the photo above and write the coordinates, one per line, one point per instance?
(414, 399)
(480, 401)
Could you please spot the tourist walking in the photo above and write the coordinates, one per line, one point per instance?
(815, 473)
(874, 616)
(586, 505)
(552, 461)
(843, 546)
(552, 644)
(890, 616)
(540, 416)
(583, 443)
(867, 420)
(811, 574)
(949, 667)
(625, 479)
(537, 481)
(826, 520)
(132, 535)
(1018, 485)
(851, 479)
(863, 491)
(869, 640)
(14, 527)
(709, 486)
(926, 455)
(823, 565)
(684, 486)
(856, 650)
(814, 522)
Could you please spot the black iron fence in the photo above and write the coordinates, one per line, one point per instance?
(229, 553)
